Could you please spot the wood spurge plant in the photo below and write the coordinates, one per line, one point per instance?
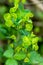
(21, 42)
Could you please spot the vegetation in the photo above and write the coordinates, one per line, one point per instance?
(22, 47)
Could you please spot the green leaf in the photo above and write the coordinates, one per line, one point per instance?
(11, 62)
(20, 56)
(9, 53)
(35, 58)
(2, 36)
(26, 64)
(1, 52)
(3, 9)
(21, 7)
(41, 64)
(3, 30)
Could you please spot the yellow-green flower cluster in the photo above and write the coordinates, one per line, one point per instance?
(13, 37)
(20, 19)
(8, 20)
(28, 41)
(17, 49)
(34, 43)
(19, 26)
(29, 27)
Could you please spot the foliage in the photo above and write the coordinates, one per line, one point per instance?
(22, 43)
